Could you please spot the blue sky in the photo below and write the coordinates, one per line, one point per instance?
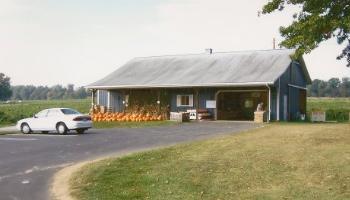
(46, 42)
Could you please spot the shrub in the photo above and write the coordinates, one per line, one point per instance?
(339, 115)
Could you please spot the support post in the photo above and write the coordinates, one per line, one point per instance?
(98, 97)
(269, 102)
(197, 102)
(92, 97)
(158, 100)
(278, 99)
(108, 99)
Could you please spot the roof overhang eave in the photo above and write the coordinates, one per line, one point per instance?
(249, 84)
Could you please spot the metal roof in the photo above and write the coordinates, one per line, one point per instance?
(201, 70)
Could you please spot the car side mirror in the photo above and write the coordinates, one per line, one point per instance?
(35, 116)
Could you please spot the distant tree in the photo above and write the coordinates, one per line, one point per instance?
(81, 93)
(344, 88)
(5, 87)
(29, 92)
(317, 21)
(69, 94)
(40, 92)
(15, 92)
(313, 88)
(334, 87)
(321, 89)
(56, 92)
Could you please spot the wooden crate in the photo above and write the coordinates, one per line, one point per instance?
(318, 116)
(179, 116)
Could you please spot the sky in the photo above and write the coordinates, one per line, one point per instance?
(48, 42)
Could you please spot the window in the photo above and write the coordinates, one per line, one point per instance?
(69, 112)
(184, 100)
(41, 114)
(248, 103)
(53, 113)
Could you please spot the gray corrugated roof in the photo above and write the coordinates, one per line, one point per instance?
(216, 69)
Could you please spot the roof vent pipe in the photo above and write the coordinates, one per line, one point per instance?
(209, 51)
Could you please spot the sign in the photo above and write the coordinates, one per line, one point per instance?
(318, 116)
(210, 104)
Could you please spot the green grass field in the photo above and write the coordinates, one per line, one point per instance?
(279, 161)
(328, 103)
(11, 113)
(337, 109)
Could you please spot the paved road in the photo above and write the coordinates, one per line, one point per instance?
(28, 162)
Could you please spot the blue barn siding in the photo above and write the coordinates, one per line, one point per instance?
(273, 114)
(295, 76)
(173, 101)
(116, 101)
(103, 96)
(283, 84)
(294, 103)
(277, 101)
(298, 78)
(204, 96)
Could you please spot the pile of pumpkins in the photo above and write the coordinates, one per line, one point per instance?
(125, 117)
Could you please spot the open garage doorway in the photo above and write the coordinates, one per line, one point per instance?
(239, 104)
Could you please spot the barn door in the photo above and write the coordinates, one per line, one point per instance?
(285, 107)
(302, 101)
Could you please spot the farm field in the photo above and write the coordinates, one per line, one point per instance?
(337, 109)
(11, 113)
(279, 161)
(324, 103)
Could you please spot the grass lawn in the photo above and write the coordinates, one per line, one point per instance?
(279, 161)
(132, 124)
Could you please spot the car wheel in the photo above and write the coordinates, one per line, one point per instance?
(25, 129)
(61, 128)
(81, 130)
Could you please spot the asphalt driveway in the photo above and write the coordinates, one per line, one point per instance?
(28, 162)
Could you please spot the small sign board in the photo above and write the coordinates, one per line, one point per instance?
(318, 116)
(210, 104)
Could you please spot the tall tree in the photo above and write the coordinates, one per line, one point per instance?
(333, 87)
(5, 87)
(81, 93)
(69, 94)
(344, 89)
(318, 20)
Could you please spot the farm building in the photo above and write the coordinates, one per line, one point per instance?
(229, 85)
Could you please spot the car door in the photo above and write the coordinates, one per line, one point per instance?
(38, 122)
(53, 117)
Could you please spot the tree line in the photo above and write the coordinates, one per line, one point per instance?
(30, 92)
(334, 87)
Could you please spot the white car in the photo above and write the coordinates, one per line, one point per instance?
(61, 120)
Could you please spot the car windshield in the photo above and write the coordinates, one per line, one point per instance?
(69, 111)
